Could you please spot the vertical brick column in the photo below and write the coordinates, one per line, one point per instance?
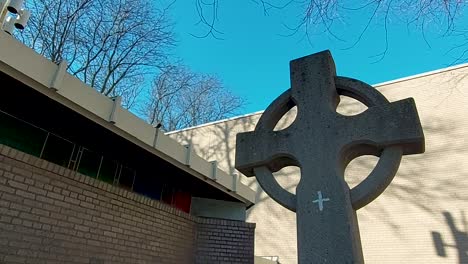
(223, 241)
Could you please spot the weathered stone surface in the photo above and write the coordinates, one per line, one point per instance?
(322, 142)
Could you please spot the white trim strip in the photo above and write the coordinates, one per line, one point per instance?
(214, 122)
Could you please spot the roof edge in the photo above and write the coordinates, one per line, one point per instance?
(214, 122)
(411, 77)
(421, 75)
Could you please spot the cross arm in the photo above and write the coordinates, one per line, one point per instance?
(263, 148)
(393, 124)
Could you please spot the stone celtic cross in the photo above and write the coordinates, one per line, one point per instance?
(322, 142)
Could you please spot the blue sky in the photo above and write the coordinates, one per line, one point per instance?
(253, 56)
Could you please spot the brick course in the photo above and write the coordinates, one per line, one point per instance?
(49, 214)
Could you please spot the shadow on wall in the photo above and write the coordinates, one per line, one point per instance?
(217, 142)
(459, 236)
(421, 179)
(428, 182)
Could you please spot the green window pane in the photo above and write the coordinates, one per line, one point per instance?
(20, 135)
(108, 171)
(58, 150)
(126, 178)
(89, 163)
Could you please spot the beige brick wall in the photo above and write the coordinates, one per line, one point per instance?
(424, 209)
(49, 214)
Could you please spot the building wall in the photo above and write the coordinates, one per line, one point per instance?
(49, 214)
(224, 242)
(420, 218)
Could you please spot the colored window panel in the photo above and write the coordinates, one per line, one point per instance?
(127, 176)
(89, 163)
(21, 135)
(58, 150)
(148, 185)
(108, 171)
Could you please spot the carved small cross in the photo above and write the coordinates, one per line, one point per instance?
(320, 200)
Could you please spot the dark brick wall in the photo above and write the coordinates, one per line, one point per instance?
(220, 241)
(49, 214)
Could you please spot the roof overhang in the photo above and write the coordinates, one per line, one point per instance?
(25, 65)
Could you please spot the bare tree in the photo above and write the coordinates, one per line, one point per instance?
(322, 16)
(180, 98)
(113, 45)
(109, 44)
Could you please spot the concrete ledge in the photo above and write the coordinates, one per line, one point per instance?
(200, 165)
